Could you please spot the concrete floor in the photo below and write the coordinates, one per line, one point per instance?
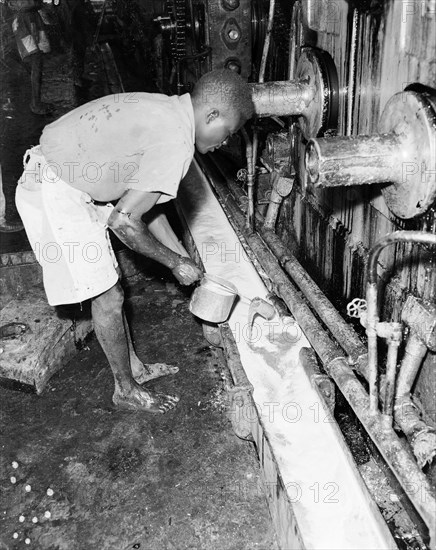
(129, 480)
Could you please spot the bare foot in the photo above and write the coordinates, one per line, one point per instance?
(138, 399)
(143, 373)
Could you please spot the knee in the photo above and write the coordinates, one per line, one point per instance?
(109, 303)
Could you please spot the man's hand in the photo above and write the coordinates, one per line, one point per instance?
(186, 272)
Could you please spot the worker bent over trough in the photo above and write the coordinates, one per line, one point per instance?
(131, 149)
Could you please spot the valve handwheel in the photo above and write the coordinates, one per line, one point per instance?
(356, 307)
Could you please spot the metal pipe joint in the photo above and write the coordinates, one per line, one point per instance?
(313, 95)
(402, 153)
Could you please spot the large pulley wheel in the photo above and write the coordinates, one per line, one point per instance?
(317, 69)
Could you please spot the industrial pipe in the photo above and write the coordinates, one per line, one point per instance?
(266, 44)
(421, 437)
(414, 354)
(250, 183)
(372, 319)
(354, 160)
(251, 170)
(280, 188)
(282, 98)
(421, 320)
(349, 341)
(341, 330)
(313, 95)
(391, 376)
(417, 237)
(336, 365)
(402, 154)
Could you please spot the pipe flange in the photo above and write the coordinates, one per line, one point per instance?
(412, 117)
(313, 96)
(317, 70)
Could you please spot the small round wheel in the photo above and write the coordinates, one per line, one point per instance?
(356, 307)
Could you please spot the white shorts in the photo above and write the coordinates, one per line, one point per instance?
(68, 234)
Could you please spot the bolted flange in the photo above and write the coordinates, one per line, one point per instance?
(317, 70)
(402, 155)
(412, 116)
(313, 95)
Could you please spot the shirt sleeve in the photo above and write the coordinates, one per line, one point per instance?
(161, 168)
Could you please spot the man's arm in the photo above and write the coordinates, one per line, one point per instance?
(125, 221)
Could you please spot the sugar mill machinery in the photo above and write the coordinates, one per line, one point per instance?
(307, 139)
(332, 190)
(199, 36)
(321, 211)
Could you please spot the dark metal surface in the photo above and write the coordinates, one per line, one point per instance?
(229, 35)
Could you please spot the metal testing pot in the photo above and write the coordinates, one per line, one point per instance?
(213, 299)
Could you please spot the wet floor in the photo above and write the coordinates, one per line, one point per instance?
(122, 480)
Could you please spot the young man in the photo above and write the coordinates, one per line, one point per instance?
(134, 149)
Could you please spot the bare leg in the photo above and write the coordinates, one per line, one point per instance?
(142, 372)
(107, 315)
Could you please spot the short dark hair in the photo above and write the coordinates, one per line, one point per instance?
(226, 90)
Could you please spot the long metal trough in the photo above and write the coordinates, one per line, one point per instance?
(315, 493)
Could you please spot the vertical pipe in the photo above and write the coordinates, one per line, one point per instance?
(372, 305)
(250, 177)
(265, 51)
(250, 187)
(413, 356)
(371, 332)
(351, 73)
(391, 372)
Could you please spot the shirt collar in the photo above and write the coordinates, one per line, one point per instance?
(186, 104)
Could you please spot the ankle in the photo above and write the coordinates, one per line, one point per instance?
(124, 386)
